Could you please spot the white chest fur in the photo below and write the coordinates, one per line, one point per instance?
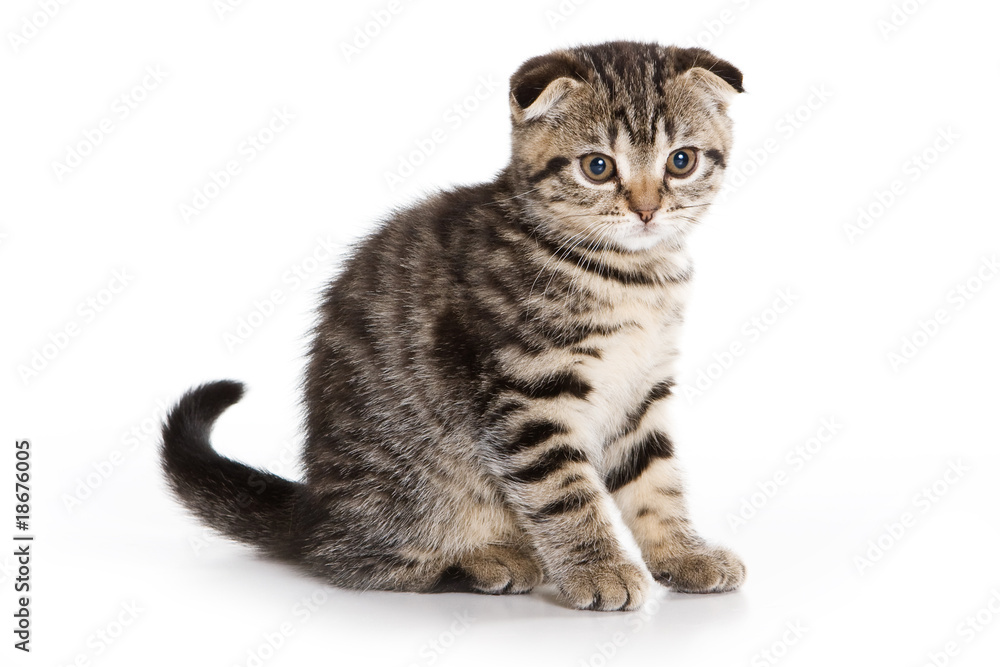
(632, 360)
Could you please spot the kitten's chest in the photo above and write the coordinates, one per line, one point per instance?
(632, 360)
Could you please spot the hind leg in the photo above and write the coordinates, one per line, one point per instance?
(473, 546)
(492, 569)
(489, 552)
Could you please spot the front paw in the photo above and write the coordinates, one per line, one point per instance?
(703, 570)
(609, 585)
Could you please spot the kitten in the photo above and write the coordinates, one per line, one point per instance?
(488, 387)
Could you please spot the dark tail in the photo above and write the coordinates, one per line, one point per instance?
(249, 505)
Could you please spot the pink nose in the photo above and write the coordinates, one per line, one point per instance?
(645, 214)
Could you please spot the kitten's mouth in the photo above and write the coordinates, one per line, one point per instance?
(651, 228)
(664, 228)
(641, 235)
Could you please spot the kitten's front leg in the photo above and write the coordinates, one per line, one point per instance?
(548, 479)
(646, 484)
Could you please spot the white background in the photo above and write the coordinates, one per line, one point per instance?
(865, 96)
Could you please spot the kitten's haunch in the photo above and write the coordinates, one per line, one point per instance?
(489, 384)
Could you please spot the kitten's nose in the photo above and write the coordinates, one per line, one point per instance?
(644, 197)
(645, 214)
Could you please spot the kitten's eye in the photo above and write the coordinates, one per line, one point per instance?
(682, 162)
(597, 167)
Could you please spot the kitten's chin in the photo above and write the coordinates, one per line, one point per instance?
(641, 237)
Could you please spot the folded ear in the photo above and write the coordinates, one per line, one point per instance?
(541, 82)
(719, 77)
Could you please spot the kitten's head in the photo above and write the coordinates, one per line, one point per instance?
(621, 144)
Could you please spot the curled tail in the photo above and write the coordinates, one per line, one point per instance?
(253, 506)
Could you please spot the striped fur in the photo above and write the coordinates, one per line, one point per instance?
(488, 387)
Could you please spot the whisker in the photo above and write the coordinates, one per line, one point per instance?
(554, 256)
(526, 192)
(589, 230)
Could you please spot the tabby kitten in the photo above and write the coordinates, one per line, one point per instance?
(488, 387)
